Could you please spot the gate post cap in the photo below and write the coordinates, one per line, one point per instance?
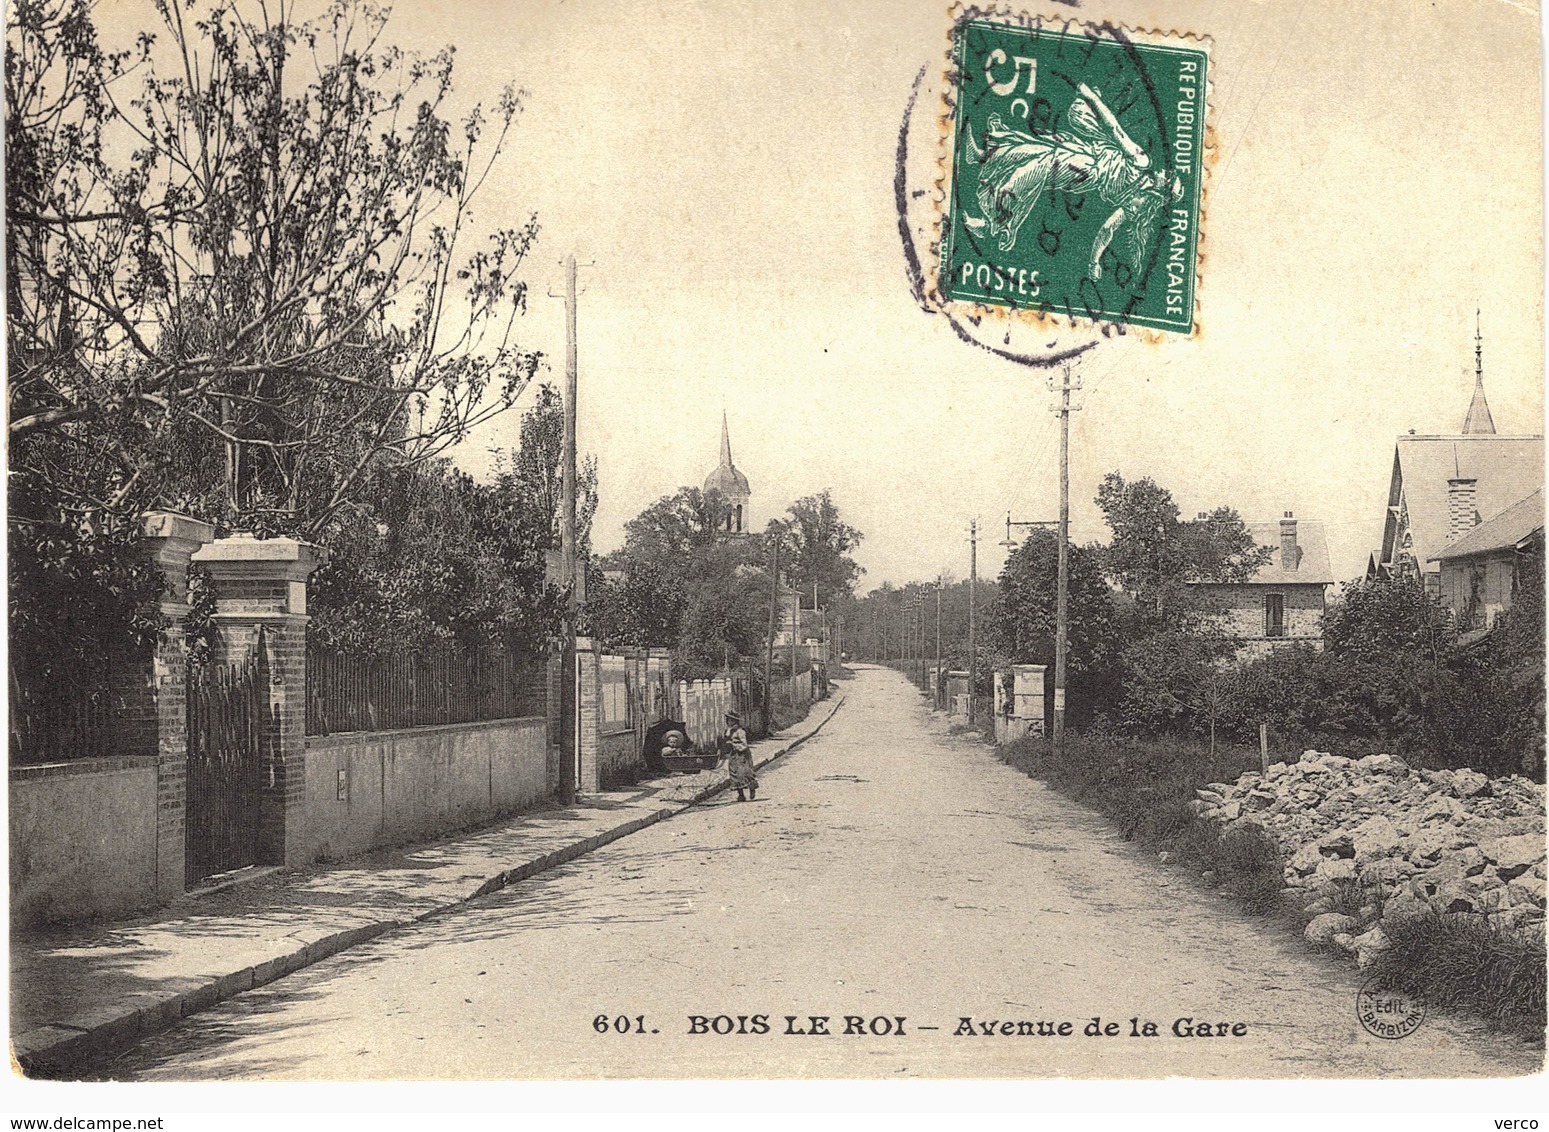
(175, 527)
(244, 555)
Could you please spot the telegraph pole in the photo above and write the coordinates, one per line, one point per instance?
(774, 605)
(1062, 593)
(915, 651)
(822, 618)
(973, 582)
(937, 701)
(919, 637)
(795, 632)
(569, 749)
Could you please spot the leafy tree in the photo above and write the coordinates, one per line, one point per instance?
(1021, 620)
(256, 248)
(434, 555)
(1168, 678)
(727, 618)
(819, 546)
(1158, 559)
(1394, 677)
(1392, 655)
(1514, 662)
(534, 472)
(686, 585)
(1374, 620)
(1173, 639)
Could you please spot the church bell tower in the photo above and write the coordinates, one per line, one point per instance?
(731, 485)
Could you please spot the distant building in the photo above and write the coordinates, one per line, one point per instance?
(1283, 602)
(1442, 486)
(1480, 570)
(809, 625)
(732, 486)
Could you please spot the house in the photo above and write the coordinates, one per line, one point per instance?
(810, 626)
(1284, 600)
(1481, 568)
(1443, 485)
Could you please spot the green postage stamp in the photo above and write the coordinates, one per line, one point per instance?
(1076, 155)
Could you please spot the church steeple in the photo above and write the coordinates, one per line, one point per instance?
(1478, 422)
(731, 485)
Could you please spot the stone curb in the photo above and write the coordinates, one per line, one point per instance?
(50, 1051)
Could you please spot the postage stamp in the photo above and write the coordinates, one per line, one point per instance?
(1076, 170)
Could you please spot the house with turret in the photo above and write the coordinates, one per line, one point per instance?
(1444, 486)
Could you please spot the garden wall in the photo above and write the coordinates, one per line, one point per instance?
(83, 839)
(368, 789)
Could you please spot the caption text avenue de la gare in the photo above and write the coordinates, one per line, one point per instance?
(900, 1025)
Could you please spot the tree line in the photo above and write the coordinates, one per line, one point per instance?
(683, 582)
(1151, 654)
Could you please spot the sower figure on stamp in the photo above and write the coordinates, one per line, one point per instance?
(1094, 153)
(739, 760)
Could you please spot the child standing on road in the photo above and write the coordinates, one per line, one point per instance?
(739, 761)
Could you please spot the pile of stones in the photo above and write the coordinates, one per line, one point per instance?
(1382, 842)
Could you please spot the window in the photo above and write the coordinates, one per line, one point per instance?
(1274, 615)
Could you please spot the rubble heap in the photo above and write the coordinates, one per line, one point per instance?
(1402, 842)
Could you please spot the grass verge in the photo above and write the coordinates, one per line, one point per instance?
(785, 715)
(1458, 962)
(1145, 789)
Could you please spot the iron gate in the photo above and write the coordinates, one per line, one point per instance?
(227, 737)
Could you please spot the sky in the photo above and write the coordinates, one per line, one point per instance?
(725, 174)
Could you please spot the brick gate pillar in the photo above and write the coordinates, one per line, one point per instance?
(262, 583)
(156, 704)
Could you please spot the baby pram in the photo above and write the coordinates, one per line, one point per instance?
(659, 756)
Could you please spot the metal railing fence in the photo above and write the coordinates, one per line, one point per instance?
(387, 693)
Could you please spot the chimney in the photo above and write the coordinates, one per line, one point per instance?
(1290, 553)
(1462, 507)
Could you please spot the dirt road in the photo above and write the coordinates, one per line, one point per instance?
(888, 872)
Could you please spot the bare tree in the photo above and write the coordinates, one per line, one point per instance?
(236, 265)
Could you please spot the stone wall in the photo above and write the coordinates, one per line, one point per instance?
(1402, 842)
(83, 839)
(1243, 612)
(368, 789)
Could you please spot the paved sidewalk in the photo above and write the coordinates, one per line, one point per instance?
(82, 992)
